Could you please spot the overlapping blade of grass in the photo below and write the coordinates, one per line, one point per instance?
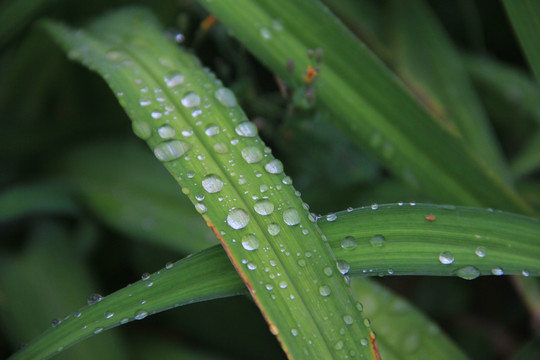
(196, 128)
(116, 180)
(365, 99)
(204, 276)
(419, 239)
(209, 275)
(39, 284)
(525, 18)
(427, 61)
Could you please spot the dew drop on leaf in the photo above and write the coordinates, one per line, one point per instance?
(331, 217)
(252, 154)
(291, 217)
(171, 150)
(212, 183)
(468, 272)
(250, 242)
(166, 132)
(481, 251)
(141, 129)
(325, 290)
(225, 97)
(94, 298)
(343, 266)
(377, 241)
(211, 130)
(349, 243)
(140, 314)
(264, 207)
(173, 79)
(221, 148)
(497, 271)
(237, 218)
(446, 258)
(273, 229)
(191, 99)
(246, 129)
(274, 167)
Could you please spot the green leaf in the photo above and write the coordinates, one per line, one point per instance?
(525, 18)
(365, 99)
(419, 239)
(431, 66)
(195, 127)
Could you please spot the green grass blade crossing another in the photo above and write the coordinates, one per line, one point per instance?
(203, 138)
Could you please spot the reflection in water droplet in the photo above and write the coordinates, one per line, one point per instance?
(250, 242)
(108, 314)
(446, 258)
(377, 241)
(374, 207)
(343, 266)
(201, 208)
(237, 218)
(274, 167)
(252, 154)
(349, 243)
(212, 183)
(468, 272)
(264, 207)
(497, 271)
(173, 79)
(481, 251)
(140, 314)
(171, 150)
(273, 229)
(225, 97)
(246, 129)
(191, 100)
(331, 217)
(291, 217)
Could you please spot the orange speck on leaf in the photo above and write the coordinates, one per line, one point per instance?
(311, 73)
(430, 217)
(207, 23)
(373, 345)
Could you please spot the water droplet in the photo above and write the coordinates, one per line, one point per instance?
(273, 229)
(145, 276)
(250, 242)
(286, 180)
(348, 319)
(225, 97)
(349, 243)
(166, 132)
(364, 341)
(283, 284)
(291, 217)
(252, 154)
(446, 258)
(191, 100)
(141, 129)
(211, 130)
(187, 132)
(331, 217)
(497, 271)
(328, 271)
(264, 207)
(274, 167)
(374, 207)
(171, 150)
(525, 273)
(350, 209)
(201, 208)
(237, 218)
(108, 314)
(325, 290)
(94, 298)
(169, 265)
(246, 129)
(343, 266)
(377, 241)
(265, 33)
(173, 79)
(212, 183)
(468, 272)
(156, 114)
(55, 322)
(140, 314)
(481, 251)
(294, 332)
(221, 148)
(339, 345)
(98, 330)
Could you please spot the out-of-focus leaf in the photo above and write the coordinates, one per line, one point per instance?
(15, 14)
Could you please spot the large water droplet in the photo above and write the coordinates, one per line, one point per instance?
(274, 167)
(291, 217)
(171, 150)
(264, 207)
(211, 130)
(166, 132)
(201, 208)
(468, 272)
(250, 242)
(273, 229)
(377, 241)
(343, 266)
(237, 218)
(252, 154)
(191, 100)
(140, 314)
(331, 217)
(246, 128)
(212, 183)
(141, 129)
(94, 298)
(349, 243)
(225, 97)
(325, 290)
(446, 258)
(173, 79)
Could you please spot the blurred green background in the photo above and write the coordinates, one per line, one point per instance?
(78, 214)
